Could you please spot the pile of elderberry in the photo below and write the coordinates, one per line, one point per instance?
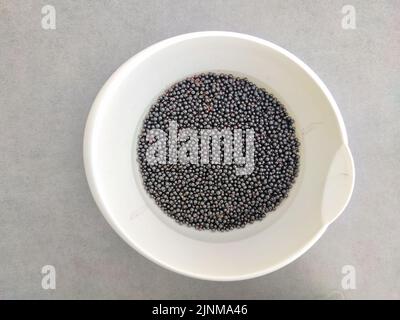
(211, 195)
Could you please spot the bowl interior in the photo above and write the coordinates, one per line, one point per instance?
(116, 120)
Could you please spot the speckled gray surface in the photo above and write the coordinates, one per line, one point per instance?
(49, 78)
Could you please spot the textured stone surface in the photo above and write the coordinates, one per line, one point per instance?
(49, 78)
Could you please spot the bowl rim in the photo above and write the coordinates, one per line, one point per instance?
(112, 84)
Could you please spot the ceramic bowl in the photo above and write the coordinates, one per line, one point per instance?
(319, 196)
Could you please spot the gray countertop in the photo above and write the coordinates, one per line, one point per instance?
(49, 78)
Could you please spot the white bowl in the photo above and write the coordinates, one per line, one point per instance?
(321, 191)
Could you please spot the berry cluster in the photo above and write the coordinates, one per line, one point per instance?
(213, 196)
